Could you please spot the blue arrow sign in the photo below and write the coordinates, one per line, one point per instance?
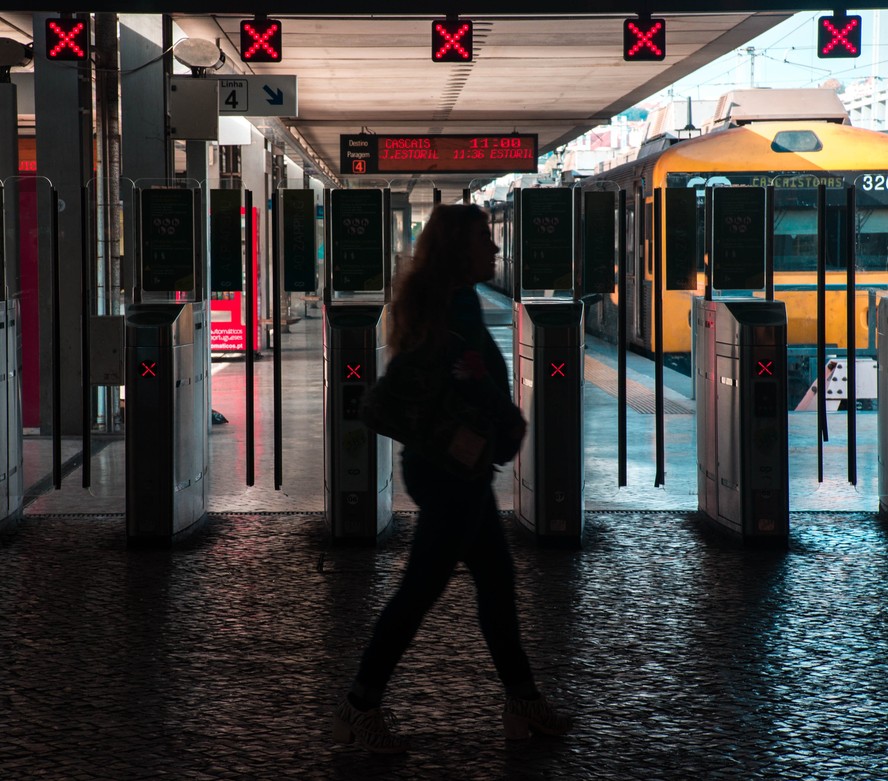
(275, 97)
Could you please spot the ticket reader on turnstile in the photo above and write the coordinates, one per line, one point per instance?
(167, 368)
(548, 346)
(742, 427)
(357, 462)
(167, 449)
(11, 451)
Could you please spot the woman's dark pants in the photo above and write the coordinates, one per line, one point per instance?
(458, 521)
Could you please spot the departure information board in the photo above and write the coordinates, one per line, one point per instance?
(501, 153)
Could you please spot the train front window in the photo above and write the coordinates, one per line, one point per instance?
(796, 141)
(795, 214)
(795, 231)
(872, 239)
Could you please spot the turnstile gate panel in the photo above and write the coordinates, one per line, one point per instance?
(11, 450)
(549, 475)
(742, 425)
(357, 462)
(167, 403)
(883, 403)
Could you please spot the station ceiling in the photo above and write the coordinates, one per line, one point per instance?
(554, 68)
(554, 76)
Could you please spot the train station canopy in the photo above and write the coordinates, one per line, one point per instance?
(555, 69)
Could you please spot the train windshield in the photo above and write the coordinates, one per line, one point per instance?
(795, 217)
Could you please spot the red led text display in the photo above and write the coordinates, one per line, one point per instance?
(644, 39)
(67, 39)
(379, 154)
(838, 36)
(451, 40)
(260, 40)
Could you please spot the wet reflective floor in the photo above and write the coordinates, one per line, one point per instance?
(682, 655)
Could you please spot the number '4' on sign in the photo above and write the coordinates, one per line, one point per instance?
(231, 101)
(233, 95)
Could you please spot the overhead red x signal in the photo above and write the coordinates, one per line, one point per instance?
(66, 39)
(451, 40)
(261, 40)
(644, 39)
(838, 36)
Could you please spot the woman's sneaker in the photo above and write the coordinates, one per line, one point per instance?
(368, 727)
(520, 717)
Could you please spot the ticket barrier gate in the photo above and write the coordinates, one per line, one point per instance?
(167, 446)
(357, 462)
(548, 373)
(883, 404)
(742, 424)
(11, 450)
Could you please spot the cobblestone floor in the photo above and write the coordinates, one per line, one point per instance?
(682, 656)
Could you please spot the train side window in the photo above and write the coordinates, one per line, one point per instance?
(872, 240)
(795, 238)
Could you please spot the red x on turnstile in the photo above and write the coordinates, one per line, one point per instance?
(354, 372)
(765, 368)
(557, 369)
(148, 368)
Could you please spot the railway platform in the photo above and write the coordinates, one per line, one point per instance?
(682, 655)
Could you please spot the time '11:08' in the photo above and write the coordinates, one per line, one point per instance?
(504, 143)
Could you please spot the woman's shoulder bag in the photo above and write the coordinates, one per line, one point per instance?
(416, 402)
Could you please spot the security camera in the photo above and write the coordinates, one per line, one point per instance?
(14, 54)
(200, 55)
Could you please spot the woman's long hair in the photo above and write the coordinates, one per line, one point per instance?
(440, 264)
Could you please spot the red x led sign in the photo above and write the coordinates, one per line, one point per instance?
(148, 369)
(557, 369)
(353, 372)
(67, 39)
(764, 369)
(260, 40)
(644, 39)
(838, 36)
(451, 40)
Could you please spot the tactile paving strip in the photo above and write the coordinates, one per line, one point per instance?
(640, 398)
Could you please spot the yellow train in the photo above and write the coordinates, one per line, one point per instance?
(794, 140)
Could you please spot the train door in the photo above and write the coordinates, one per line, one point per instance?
(635, 255)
